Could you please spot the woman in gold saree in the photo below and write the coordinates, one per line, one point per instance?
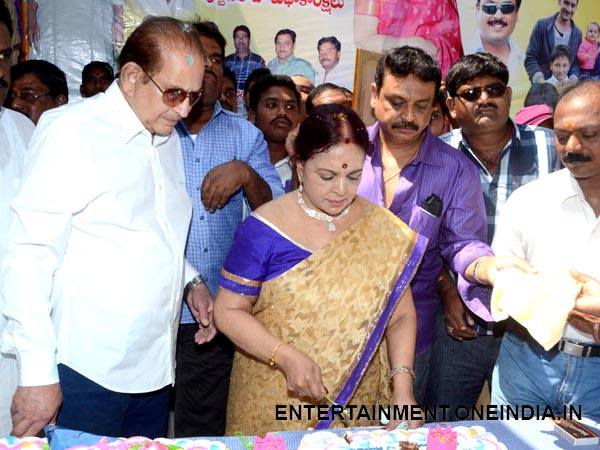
(315, 293)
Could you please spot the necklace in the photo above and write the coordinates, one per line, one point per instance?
(313, 213)
(410, 159)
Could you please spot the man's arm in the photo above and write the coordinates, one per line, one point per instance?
(535, 46)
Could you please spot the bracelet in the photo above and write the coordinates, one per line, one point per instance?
(475, 267)
(196, 281)
(402, 369)
(272, 362)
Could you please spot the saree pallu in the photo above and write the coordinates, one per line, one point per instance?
(332, 305)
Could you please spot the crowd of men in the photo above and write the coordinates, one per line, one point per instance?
(117, 213)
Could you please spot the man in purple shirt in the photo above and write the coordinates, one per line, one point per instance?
(430, 186)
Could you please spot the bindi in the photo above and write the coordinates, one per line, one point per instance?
(344, 166)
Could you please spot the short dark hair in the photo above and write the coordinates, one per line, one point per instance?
(98, 65)
(403, 61)
(518, 2)
(230, 74)
(5, 18)
(440, 99)
(326, 126)
(541, 94)
(243, 28)
(211, 30)
(318, 91)
(472, 66)
(254, 76)
(269, 81)
(332, 40)
(155, 37)
(49, 74)
(292, 33)
(559, 51)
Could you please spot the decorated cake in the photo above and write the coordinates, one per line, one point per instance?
(450, 438)
(28, 443)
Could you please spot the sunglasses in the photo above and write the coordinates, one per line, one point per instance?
(174, 96)
(492, 8)
(493, 91)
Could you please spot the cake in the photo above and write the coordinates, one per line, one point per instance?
(459, 438)
(28, 443)
(441, 439)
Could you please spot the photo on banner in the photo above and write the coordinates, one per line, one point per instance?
(513, 28)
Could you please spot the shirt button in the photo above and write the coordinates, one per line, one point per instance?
(201, 217)
(205, 250)
(198, 160)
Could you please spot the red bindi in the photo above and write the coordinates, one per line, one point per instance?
(344, 166)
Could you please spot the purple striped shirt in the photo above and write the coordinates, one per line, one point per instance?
(457, 237)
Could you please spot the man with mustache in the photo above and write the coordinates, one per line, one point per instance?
(15, 133)
(427, 184)
(553, 223)
(496, 21)
(275, 110)
(330, 51)
(558, 29)
(507, 156)
(226, 165)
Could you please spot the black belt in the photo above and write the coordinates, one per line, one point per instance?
(578, 349)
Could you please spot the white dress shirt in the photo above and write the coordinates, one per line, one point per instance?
(15, 133)
(337, 76)
(549, 223)
(93, 274)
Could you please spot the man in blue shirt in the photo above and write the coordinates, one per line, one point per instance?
(242, 62)
(226, 166)
(286, 63)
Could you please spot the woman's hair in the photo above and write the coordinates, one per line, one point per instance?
(326, 126)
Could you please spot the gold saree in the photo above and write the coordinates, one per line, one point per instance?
(326, 306)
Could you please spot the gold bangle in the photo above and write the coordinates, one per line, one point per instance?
(402, 369)
(272, 362)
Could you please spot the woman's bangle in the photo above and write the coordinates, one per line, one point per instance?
(475, 267)
(402, 369)
(272, 361)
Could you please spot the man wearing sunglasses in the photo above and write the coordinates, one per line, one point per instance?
(558, 29)
(507, 156)
(226, 166)
(496, 21)
(15, 133)
(94, 269)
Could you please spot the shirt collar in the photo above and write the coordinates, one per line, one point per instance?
(130, 124)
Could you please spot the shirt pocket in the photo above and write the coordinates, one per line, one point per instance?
(425, 224)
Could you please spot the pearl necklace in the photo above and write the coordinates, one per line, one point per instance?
(319, 215)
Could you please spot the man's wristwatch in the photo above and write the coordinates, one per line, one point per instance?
(197, 280)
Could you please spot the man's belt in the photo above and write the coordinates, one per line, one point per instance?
(578, 349)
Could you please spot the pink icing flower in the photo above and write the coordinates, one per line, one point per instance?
(269, 442)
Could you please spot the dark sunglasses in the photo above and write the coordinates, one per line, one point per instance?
(491, 8)
(174, 96)
(492, 90)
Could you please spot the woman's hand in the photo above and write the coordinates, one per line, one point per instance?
(412, 409)
(303, 375)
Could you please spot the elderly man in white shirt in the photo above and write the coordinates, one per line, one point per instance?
(15, 132)
(94, 270)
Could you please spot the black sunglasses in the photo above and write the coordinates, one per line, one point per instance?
(491, 9)
(492, 90)
(174, 96)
